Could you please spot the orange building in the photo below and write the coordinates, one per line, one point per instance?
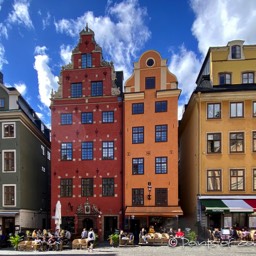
(151, 145)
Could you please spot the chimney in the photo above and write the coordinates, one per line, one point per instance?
(1, 78)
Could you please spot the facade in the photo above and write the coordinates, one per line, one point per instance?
(24, 165)
(217, 139)
(151, 145)
(87, 142)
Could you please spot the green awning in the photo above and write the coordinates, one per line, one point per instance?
(214, 205)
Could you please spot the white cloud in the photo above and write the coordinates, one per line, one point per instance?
(3, 31)
(46, 80)
(121, 32)
(218, 22)
(46, 20)
(20, 14)
(65, 53)
(21, 87)
(2, 58)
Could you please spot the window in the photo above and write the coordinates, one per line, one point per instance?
(213, 143)
(236, 109)
(161, 196)
(8, 130)
(138, 135)
(66, 187)
(87, 118)
(236, 179)
(43, 149)
(254, 179)
(161, 106)
(137, 166)
(236, 52)
(48, 155)
(213, 111)
(137, 196)
(1, 103)
(86, 60)
(76, 90)
(161, 165)
(248, 78)
(150, 82)
(67, 151)
(108, 150)
(161, 133)
(66, 119)
(254, 141)
(9, 192)
(214, 180)
(107, 117)
(236, 142)
(87, 150)
(254, 109)
(108, 187)
(225, 78)
(137, 108)
(97, 88)
(87, 187)
(9, 161)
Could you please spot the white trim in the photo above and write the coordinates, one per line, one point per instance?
(3, 153)
(228, 197)
(14, 130)
(15, 198)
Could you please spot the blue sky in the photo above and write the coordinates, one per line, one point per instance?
(37, 37)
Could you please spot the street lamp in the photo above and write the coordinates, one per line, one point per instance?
(149, 190)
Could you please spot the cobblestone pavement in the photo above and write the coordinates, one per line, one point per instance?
(148, 251)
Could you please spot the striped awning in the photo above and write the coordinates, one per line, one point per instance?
(238, 206)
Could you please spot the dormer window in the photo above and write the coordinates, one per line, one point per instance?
(86, 60)
(236, 52)
(224, 78)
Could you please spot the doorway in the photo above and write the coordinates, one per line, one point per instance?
(110, 226)
(8, 226)
(87, 223)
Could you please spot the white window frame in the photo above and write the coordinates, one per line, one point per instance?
(43, 149)
(3, 152)
(15, 195)
(14, 127)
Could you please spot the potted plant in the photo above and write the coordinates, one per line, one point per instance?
(191, 236)
(114, 239)
(14, 240)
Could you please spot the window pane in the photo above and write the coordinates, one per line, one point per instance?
(137, 108)
(66, 151)
(138, 166)
(161, 196)
(107, 117)
(9, 130)
(137, 196)
(66, 119)
(138, 135)
(214, 143)
(87, 187)
(86, 60)
(66, 187)
(87, 118)
(9, 195)
(161, 165)
(161, 106)
(237, 142)
(214, 180)
(150, 82)
(236, 109)
(9, 161)
(76, 90)
(161, 133)
(236, 52)
(97, 88)
(108, 187)
(1, 103)
(236, 180)
(87, 150)
(108, 150)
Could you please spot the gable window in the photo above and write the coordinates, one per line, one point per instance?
(137, 166)
(236, 179)
(66, 119)
(161, 196)
(8, 130)
(214, 180)
(161, 106)
(66, 151)
(248, 78)
(9, 160)
(138, 135)
(87, 150)
(87, 118)
(236, 52)
(97, 88)
(213, 110)
(9, 195)
(76, 90)
(137, 196)
(86, 60)
(87, 187)
(108, 187)
(161, 133)
(66, 188)
(108, 117)
(150, 82)
(224, 78)
(213, 143)
(137, 108)
(254, 179)
(236, 109)
(161, 165)
(236, 142)
(1, 102)
(108, 150)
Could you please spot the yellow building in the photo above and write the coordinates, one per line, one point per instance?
(217, 139)
(151, 145)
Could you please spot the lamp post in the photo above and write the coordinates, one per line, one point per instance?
(149, 190)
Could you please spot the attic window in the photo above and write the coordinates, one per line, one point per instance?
(150, 62)
(1, 103)
(236, 52)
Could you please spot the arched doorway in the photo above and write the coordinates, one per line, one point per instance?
(88, 223)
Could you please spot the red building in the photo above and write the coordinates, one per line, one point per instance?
(87, 141)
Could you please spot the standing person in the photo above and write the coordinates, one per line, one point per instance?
(84, 233)
(91, 239)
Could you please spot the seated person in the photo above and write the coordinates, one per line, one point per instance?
(216, 234)
(144, 235)
(171, 232)
(51, 242)
(179, 233)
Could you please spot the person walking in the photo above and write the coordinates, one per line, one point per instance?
(91, 239)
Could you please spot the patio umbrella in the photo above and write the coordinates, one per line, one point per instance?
(58, 215)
